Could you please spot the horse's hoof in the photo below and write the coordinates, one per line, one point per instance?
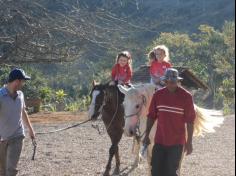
(106, 174)
(116, 171)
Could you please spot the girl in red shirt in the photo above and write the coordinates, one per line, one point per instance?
(122, 70)
(159, 63)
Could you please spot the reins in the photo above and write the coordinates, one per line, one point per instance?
(117, 107)
(64, 129)
(113, 118)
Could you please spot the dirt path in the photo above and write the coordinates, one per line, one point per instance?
(82, 152)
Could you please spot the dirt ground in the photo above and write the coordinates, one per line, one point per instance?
(83, 152)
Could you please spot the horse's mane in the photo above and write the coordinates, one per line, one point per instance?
(144, 87)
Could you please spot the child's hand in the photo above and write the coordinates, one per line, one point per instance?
(156, 79)
(112, 83)
(120, 82)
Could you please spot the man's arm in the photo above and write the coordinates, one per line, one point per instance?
(27, 122)
(190, 117)
(150, 123)
(189, 144)
(152, 116)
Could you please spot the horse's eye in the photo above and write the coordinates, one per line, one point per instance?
(137, 106)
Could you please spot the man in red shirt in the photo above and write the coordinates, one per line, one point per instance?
(173, 108)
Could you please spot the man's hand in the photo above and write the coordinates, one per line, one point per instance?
(146, 140)
(189, 148)
(189, 145)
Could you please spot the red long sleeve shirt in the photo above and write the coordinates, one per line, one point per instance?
(123, 74)
(158, 69)
(173, 111)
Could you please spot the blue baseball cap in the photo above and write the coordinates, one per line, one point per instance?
(18, 74)
(171, 74)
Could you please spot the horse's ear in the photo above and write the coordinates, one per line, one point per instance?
(123, 89)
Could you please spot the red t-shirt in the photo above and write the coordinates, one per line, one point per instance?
(173, 111)
(123, 74)
(158, 69)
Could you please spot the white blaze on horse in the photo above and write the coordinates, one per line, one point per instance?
(137, 101)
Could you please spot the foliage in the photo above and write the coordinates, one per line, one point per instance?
(60, 95)
(33, 88)
(78, 105)
(56, 31)
(46, 94)
(4, 72)
(91, 33)
(210, 54)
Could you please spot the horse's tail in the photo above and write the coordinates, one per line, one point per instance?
(206, 121)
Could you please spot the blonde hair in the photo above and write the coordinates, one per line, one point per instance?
(164, 48)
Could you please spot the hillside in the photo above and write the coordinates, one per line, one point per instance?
(77, 38)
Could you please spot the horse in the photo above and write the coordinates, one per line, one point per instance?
(107, 101)
(137, 101)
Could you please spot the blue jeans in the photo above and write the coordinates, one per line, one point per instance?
(10, 152)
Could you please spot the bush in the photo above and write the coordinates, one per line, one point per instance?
(81, 104)
(46, 94)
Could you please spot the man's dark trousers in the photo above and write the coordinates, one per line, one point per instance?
(166, 160)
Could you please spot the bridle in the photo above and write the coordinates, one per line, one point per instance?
(144, 103)
(97, 104)
(102, 106)
(138, 134)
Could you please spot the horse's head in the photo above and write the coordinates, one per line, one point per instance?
(97, 97)
(135, 105)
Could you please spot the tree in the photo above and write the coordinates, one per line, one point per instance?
(211, 55)
(56, 31)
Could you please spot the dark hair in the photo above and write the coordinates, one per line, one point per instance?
(125, 54)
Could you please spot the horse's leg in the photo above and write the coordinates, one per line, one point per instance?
(112, 152)
(117, 156)
(136, 149)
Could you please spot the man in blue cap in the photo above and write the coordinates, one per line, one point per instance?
(12, 116)
(173, 108)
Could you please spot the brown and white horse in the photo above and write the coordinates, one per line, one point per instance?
(137, 101)
(107, 101)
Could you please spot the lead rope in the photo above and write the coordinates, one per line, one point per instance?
(117, 107)
(64, 129)
(34, 143)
